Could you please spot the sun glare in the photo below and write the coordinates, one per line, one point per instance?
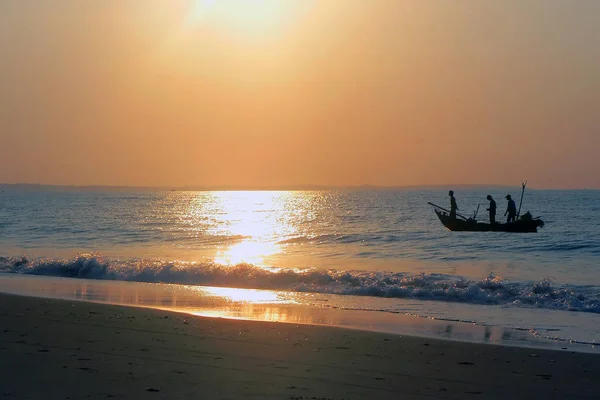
(245, 16)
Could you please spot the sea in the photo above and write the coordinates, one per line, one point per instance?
(364, 258)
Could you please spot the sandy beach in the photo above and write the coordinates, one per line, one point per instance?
(56, 349)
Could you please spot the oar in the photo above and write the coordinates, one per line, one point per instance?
(443, 209)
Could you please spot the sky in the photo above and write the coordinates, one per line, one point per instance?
(268, 93)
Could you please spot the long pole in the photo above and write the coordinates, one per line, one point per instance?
(522, 193)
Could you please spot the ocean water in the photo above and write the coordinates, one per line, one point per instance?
(368, 251)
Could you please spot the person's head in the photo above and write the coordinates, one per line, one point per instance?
(451, 193)
(508, 197)
(489, 197)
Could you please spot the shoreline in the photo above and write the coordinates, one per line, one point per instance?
(58, 348)
(269, 306)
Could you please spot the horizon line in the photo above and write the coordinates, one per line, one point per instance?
(201, 188)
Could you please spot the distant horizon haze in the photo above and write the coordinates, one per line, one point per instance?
(291, 93)
(442, 187)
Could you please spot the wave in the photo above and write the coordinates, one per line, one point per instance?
(362, 238)
(327, 238)
(492, 289)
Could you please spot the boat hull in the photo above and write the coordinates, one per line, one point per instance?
(460, 225)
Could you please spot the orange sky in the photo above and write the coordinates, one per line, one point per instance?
(285, 92)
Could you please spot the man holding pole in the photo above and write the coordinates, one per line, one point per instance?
(492, 209)
(453, 206)
(511, 210)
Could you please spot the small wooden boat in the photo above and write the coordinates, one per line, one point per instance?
(526, 223)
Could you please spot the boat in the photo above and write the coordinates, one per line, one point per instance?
(523, 224)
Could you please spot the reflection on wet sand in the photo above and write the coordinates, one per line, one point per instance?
(260, 305)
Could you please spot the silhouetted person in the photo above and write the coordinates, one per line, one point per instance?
(453, 206)
(511, 210)
(492, 209)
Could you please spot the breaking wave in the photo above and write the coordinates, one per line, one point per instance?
(489, 290)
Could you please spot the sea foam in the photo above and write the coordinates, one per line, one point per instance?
(491, 290)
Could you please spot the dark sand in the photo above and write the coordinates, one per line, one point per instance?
(55, 349)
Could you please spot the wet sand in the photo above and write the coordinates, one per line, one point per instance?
(58, 349)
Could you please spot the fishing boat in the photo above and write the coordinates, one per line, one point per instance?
(523, 224)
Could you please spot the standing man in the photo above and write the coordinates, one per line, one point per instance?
(492, 209)
(511, 210)
(453, 206)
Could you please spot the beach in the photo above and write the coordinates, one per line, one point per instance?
(58, 349)
(299, 199)
(369, 251)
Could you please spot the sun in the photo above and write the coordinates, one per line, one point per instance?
(246, 16)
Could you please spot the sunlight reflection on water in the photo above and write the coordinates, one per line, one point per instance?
(247, 252)
(256, 220)
(244, 295)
